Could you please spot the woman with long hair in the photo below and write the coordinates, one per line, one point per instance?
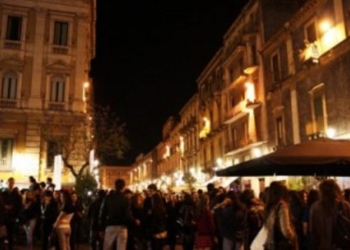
(205, 235)
(233, 221)
(278, 219)
(29, 214)
(49, 212)
(312, 197)
(323, 214)
(62, 224)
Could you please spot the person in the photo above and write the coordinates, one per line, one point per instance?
(96, 242)
(62, 224)
(186, 217)
(2, 222)
(278, 219)
(136, 233)
(323, 214)
(115, 216)
(158, 222)
(312, 198)
(234, 221)
(49, 211)
(205, 227)
(33, 183)
(172, 207)
(49, 185)
(77, 219)
(255, 218)
(29, 215)
(13, 206)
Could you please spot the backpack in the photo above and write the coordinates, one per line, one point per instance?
(341, 236)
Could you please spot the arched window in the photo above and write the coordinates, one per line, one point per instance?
(57, 89)
(9, 85)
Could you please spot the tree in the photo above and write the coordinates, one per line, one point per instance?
(74, 135)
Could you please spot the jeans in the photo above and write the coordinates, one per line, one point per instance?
(115, 233)
(29, 228)
(63, 235)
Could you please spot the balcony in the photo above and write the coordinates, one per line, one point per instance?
(61, 50)
(252, 104)
(236, 113)
(8, 103)
(11, 44)
(56, 106)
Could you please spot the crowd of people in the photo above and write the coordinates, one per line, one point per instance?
(209, 219)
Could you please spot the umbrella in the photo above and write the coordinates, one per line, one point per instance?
(322, 157)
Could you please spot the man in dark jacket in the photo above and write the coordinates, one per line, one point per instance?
(93, 214)
(13, 205)
(115, 216)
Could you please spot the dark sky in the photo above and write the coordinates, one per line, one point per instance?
(149, 55)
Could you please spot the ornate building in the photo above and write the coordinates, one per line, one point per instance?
(281, 77)
(46, 48)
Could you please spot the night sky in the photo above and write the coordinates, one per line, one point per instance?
(148, 57)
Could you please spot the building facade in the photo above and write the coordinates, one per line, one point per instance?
(108, 175)
(46, 48)
(281, 77)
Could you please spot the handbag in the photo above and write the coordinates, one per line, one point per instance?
(259, 240)
(53, 239)
(281, 242)
(3, 232)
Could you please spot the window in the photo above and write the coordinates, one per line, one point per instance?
(60, 33)
(14, 28)
(310, 30)
(57, 89)
(6, 147)
(275, 64)
(279, 131)
(319, 113)
(52, 151)
(234, 137)
(254, 56)
(9, 86)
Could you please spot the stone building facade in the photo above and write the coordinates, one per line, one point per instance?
(280, 78)
(45, 53)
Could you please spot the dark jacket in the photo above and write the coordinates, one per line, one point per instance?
(115, 211)
(93, 214)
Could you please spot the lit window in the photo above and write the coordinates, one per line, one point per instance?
(319, 113)
(14, 28)
(60, 33)
(9, 86)
(6, 147)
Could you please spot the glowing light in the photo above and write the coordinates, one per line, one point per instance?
(256, 152)
(86, 85)
(330, 132)
(96, 162)
(325, 26)
(250, 92)
(219, 162)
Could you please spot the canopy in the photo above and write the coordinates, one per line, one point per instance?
(322, 157)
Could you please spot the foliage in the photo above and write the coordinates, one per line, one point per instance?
(76, 134)
(110, 134)
(85, 187)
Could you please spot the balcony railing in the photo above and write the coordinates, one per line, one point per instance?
(10, 44)
(56, 106)
(8, 103)
(236, 112)
(61, 50)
